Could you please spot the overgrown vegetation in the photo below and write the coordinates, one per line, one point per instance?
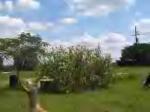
(76, 68)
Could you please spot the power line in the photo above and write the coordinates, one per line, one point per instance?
(137, 34)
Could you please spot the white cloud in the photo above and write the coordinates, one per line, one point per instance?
(10, 26)
(143, 27)
(113, 43)
(68, 21)
(8, 5)
(37, 26)
(19, 5)
(110, 43)
(32, 4)
(14, 25)
(54, 27)
(98, 7)
(12, 22)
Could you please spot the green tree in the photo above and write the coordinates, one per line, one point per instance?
(137, 54)
(25, 49)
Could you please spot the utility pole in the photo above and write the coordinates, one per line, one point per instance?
(136, 33)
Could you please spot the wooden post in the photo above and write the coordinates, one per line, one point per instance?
(32, 92)
(13, 81)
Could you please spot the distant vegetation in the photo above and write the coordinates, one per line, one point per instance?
(137, 54)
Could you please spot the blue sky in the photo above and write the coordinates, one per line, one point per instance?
(72, 22)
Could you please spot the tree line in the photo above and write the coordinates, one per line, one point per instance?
(137, 54)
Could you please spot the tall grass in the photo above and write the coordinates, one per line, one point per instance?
(77, 68)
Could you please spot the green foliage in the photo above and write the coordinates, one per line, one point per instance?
(77, 68)
(24, 49)
(137, 54)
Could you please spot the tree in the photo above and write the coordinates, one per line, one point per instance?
(137, 54)
(26, 49)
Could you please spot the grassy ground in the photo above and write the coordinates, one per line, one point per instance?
(123, 96)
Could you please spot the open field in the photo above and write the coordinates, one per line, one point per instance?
(123, 96)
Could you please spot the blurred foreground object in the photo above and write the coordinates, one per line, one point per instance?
(147, 81)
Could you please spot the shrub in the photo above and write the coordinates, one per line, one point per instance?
(77, 68)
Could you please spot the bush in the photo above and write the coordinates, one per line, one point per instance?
(77, 68)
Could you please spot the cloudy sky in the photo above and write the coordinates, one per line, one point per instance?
(109, 23)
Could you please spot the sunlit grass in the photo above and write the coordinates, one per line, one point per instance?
(122, 96)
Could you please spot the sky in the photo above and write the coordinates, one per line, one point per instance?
(108, 23)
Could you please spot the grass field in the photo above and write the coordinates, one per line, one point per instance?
(123, 96)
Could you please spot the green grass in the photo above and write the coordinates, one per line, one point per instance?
(123, 96)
